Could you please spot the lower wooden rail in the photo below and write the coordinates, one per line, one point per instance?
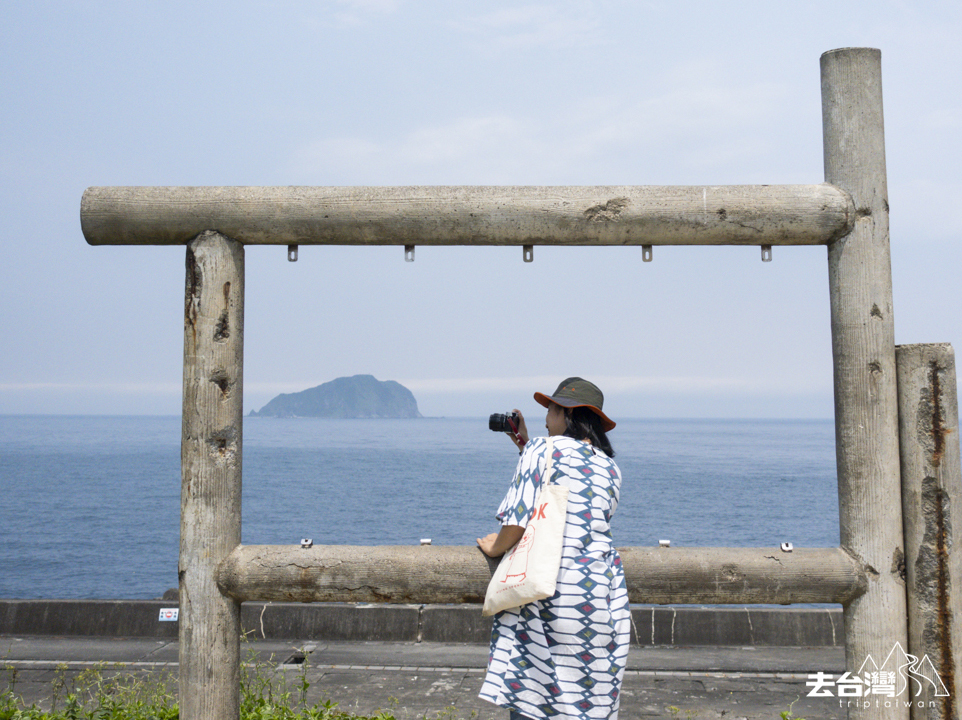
(456, 574)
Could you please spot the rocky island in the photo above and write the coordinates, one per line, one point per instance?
(360, 396)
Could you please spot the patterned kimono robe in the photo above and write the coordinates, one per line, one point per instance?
(564, 657)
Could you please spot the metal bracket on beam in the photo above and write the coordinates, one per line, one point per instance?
(646, 253)
(766, 253)
(292, 253)
(408, 253)
(528, 253)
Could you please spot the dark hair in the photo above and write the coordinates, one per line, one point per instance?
(582, 423)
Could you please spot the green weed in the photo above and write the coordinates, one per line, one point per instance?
(789, 714)
(109, 692)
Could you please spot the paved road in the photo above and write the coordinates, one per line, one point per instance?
(435, 681)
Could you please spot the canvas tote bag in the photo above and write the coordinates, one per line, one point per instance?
(529, 570)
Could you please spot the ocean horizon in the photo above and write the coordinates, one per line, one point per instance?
(91, 503)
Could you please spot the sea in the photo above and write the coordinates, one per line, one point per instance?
(90, 506)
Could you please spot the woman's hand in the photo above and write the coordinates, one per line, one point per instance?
(522, 440)
(487, 544)
(499, 543)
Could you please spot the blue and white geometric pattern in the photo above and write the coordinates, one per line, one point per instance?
(564, 657)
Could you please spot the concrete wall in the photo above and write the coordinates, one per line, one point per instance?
(655, 626)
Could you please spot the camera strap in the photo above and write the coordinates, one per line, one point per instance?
(518, 440)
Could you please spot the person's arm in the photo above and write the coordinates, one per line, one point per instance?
(497, 544)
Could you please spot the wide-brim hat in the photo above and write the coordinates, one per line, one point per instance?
(578, 392)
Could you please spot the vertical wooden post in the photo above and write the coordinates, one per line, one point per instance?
(863, 349)
(931, 495)
(210, 526)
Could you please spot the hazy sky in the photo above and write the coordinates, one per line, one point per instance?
(387, 92)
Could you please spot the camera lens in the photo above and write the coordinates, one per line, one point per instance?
(498, 422)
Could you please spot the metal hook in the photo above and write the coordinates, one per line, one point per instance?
(408, 253)
(766, 253)
(528, 253)
(646, 253)
(292, 253)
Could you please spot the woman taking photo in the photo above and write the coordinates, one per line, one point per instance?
(564, 656)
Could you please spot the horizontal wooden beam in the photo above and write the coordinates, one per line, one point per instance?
(450, 574)
(483, 215)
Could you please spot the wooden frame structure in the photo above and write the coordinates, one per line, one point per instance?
(848, 213)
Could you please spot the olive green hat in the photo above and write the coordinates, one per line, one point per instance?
(577, 392)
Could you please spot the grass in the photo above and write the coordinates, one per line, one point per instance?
(789, 714)
(100, 692)
(108, 692)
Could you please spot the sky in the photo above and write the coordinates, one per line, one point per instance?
(389, 92)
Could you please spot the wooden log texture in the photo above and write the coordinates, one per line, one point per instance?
(863, 349)
(210, 527)
(606, 215)
(449, 574)
(931, 492)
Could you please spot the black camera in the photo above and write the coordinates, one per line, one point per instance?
(499, 422)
